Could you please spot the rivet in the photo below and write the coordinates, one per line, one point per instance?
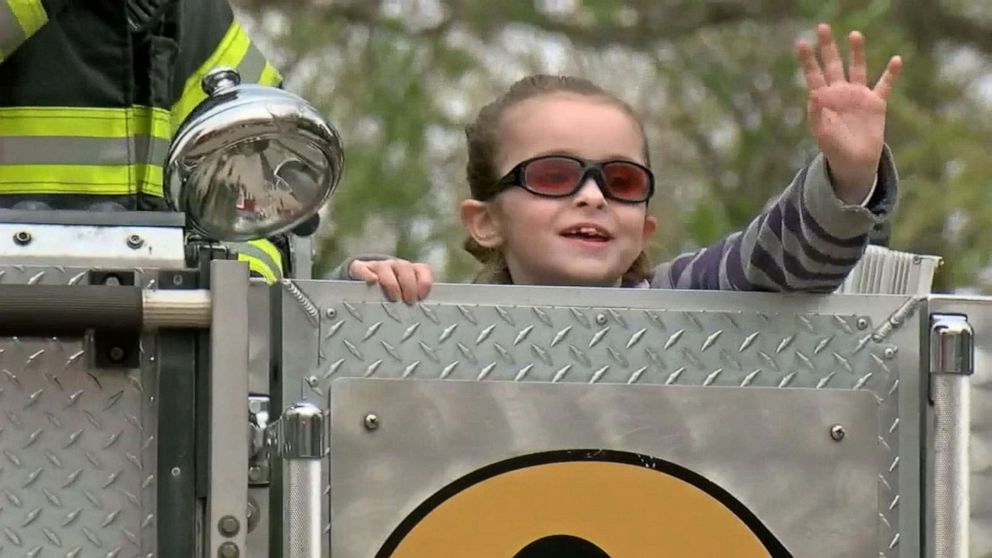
(22, 238)
(889, 353)
(331, 313)
(837, 432)
(229, 526)
(228, 550)
(176, 471)
(116, 354)
(371, 421)
(135, 241)
(862, 323)
(601, 319)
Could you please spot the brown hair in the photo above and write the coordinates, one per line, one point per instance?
(483, 147)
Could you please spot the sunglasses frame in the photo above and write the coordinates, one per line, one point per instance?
(517, 174)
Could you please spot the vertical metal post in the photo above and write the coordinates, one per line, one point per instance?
(227, 503)
(951, 363)
(302, 446)
(301, 248)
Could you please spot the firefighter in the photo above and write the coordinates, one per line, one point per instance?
(92, 91)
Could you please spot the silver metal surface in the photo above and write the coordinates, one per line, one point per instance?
(251, 161)
(951, 468)
(257, 540)
(951, 361)
(637, 336)
(77, 444)
(301, 249)
(961, 422)
(259, 339)
(952, 344)
(301, 432)
(303, 506)
(228, 463)
(761, 445)
(91, 246)
(884, 271)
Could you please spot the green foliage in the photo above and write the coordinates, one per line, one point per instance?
(715, 80)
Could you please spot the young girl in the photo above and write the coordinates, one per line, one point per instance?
(560, 181)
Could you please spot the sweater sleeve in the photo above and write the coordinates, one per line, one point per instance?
(808, 240)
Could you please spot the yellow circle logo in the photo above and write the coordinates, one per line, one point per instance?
(582, 504)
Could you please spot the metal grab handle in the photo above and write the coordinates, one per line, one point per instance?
(951, 364)
(72, 309)
(301, 444)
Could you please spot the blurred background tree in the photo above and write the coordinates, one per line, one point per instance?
(715, 80)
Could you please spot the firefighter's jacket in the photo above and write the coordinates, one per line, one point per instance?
(88, 106)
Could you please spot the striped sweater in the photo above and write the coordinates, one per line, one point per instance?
(808, 240)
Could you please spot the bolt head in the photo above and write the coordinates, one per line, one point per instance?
(228, 550)
(22, 238)
(371, 421)
(176, 471)
(229, 526)
(135, 241)
(837, 432)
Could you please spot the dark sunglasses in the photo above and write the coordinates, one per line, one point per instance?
(559, 176)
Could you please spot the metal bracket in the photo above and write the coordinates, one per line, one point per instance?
(115, 348)
(259, 441)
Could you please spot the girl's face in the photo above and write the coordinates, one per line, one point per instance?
(584, 239)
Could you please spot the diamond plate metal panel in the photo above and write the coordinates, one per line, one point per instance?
(77, 445)
(480, 333)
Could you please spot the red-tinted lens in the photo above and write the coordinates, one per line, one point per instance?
(625, 181)
(554, 176)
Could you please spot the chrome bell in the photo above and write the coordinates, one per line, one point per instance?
(251, 161)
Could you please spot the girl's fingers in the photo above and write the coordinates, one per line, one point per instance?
(811, 68)
(833, 66)
(858, 68)
(888, 80)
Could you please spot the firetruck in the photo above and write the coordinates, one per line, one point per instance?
(156, 401)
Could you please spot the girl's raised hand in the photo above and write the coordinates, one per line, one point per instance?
(846, 116)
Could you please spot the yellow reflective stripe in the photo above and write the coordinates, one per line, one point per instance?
(85, 122)
(67, 179)
(40, 121)
(30, 14)
(150, 181)
(144, 133)
(151, 121)
(116, 180)
(270, 250)
(259, 267)
(270, 76)
(229, 52)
